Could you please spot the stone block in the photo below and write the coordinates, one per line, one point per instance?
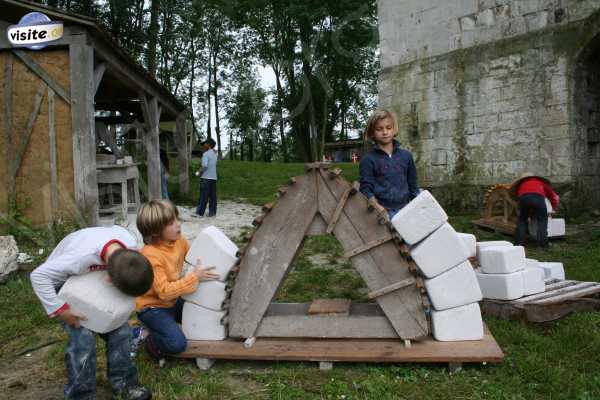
(533, 281)
(93, 295)
(457, 324)
(213, 248)
(199, 323)
(454, 288)
(501, 286)
(9, 253)
(210, 294)
(502, 260)
(553, 270)
(419, 218)
(470, 241)
(439, 252)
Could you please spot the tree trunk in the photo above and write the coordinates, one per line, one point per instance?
(208, 128)
(280, 99)
(152, 38)
(215, 89)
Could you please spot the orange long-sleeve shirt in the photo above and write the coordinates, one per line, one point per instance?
(167, 263)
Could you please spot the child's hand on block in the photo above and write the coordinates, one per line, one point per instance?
(72, 318)
(206, 273)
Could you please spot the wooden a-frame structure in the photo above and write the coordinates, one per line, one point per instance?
(318, 203)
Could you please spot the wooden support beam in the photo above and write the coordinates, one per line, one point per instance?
(42, 74)
(81, 68)
(391, 288)
(151, 112)
(8, 141)
(98, 74)
(182, 154)
(317, 227)
(367, 246)
(18, 156)
(338, 211)
(52, 143)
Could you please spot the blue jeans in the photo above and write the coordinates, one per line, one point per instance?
(208, 194)
(80, 359)
(165, 335)
(532, 205)
(164, 185)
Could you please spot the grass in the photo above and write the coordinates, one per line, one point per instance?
(557, 360)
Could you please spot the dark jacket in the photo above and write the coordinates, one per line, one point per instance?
(392, 179)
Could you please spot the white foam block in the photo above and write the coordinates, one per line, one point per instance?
(470, 242)
(501, 286)
(457, 324)
(213, 248)
(199, 323)
(454, 288)
(553, 270)
(556, 227)
(419, 218)
(439, 252)
(492, 243)
(502, 260)
(210, 294)
(533, 281)
(549, 208)
(531, 263)
(105, 307)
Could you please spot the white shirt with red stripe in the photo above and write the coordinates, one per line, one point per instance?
(78, 253)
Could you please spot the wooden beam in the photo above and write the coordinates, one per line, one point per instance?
(42, 74)
(52, 143)
(182, 154)
(81, 63)
(8, 84)
(150, 109)
(390, 288)
(98, 74)
(367, 246)
(22, 148)
(338, 211)
(317, 227)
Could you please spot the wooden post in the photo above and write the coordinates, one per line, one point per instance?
(8, 77)
(182, 154)
(98, 74)
(151, 112)
(52, 143)
(81, 56)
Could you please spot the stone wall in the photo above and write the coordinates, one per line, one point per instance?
(487, 89)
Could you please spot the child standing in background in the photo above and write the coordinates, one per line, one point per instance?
(387, 172)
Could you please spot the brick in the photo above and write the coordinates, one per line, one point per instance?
(439, 252)
(501, 286)
(457, 324)
(419, 218)
(105, 307)
(454, 288)
(199, 323)
(533, 281)
(502, 260)
(470, 242)
(210, 294)
(213, 248)
(553, 270)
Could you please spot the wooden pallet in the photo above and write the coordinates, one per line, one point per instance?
(497, 224)
(354, 350)
(561, 297)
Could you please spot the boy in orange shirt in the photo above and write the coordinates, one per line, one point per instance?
(161, 307)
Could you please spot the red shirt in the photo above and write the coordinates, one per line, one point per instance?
(536, 185)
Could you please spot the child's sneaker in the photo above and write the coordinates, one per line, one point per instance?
(139, 334)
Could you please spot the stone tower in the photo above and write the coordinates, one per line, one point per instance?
(485, 89)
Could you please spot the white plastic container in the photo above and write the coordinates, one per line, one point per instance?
(94, 296)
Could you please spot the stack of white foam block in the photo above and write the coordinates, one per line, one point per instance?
(556, 227)
(553, 270)
(95, 297)
(441, 255)
(203, 310)
(505, 272)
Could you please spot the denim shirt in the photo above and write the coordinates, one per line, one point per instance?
(392, 179)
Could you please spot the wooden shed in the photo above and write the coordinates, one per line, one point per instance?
(57, 101)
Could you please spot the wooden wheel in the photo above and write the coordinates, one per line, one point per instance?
(499, 203)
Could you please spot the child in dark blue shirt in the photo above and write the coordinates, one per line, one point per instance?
(387, 172)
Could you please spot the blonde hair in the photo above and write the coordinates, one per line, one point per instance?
(377, 116)
(153, 217)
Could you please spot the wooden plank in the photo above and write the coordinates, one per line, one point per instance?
(81, 64)
(42, 74)
(338, 210)
(150, 110)
(425, 351)
(8, 117)
(330, 306)
(553, 290)
(98, 74)
(379, 267)
(22, 147)
(392, 287)
(269, 256)
(550, 312)
(571, 294)
(317, 227)
(182, 154)
(367, 246)
(52, 143)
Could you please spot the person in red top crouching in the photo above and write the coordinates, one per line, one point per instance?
(531, 191)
